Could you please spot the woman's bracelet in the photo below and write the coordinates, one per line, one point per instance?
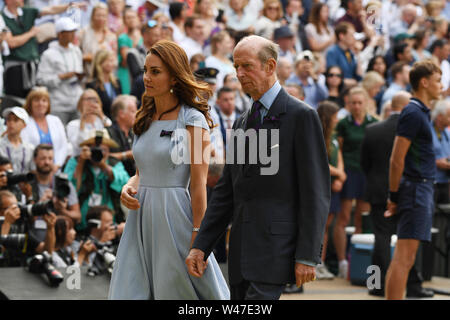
(195, 229)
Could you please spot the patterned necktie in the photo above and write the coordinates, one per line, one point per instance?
(349, 56)
(254, 118)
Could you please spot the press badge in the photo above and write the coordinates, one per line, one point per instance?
(95, 200)
(40, 224)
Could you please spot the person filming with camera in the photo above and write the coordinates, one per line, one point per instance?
(16, 183)
(15, 220)
(102, 236)
(52, 188)
(97, 177)
(50, 185)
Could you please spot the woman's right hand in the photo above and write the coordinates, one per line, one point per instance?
(128, 199)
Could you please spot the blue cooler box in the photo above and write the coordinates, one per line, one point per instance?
(361, 248)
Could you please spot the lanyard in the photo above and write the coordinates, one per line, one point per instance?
(8, 151)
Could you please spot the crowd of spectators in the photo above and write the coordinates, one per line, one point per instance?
(75, 71)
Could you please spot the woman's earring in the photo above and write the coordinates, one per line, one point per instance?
(171, 90)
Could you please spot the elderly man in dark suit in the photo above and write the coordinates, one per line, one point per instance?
(376, 151)
(278, 216)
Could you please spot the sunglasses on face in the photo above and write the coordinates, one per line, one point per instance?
(331, 75)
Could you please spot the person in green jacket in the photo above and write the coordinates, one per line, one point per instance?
(97, 177)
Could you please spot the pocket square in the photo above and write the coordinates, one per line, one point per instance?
(274, 146)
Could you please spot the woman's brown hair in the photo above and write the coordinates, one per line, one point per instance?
(187, 89)
(314, 18)
(36, 93)
(326, 110)
(62, 225)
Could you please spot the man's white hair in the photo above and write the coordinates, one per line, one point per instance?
(441, 107)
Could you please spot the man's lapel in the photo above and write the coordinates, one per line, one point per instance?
(273, 118)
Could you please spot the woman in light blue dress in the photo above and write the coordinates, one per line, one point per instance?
(167, 195)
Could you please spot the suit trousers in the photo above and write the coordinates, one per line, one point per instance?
(383, 229)
(249, 290)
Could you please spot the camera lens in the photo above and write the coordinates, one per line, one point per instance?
(96, 154)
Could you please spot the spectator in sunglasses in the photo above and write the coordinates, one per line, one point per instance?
(335, 85)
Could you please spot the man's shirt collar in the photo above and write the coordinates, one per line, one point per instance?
(269, 96)
(12, 16)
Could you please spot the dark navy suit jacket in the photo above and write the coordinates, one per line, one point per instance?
(276, 219)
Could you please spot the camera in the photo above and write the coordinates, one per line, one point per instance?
(37, 209)
(97, 152)
(15, 241)
(104, 259)
(62, 187)
(42, 263)
(14, 179)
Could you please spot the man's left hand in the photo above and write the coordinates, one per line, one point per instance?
(304, 274)
(391, 209)
(195, 263)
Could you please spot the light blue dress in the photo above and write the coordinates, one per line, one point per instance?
(150, 262)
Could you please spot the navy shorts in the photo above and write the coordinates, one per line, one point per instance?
(335, 202)
(415, 210)
(355, 185)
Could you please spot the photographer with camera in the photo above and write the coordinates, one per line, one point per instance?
(65, 253)
(16, 183)
(97, 177)
(52, 187)
(16, 220)
(104, 234)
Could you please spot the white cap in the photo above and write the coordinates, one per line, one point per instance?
(20, 112)
(157, 3)
(65, 24)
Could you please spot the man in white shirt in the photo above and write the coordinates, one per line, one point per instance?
(61, 71)
(195, 36)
